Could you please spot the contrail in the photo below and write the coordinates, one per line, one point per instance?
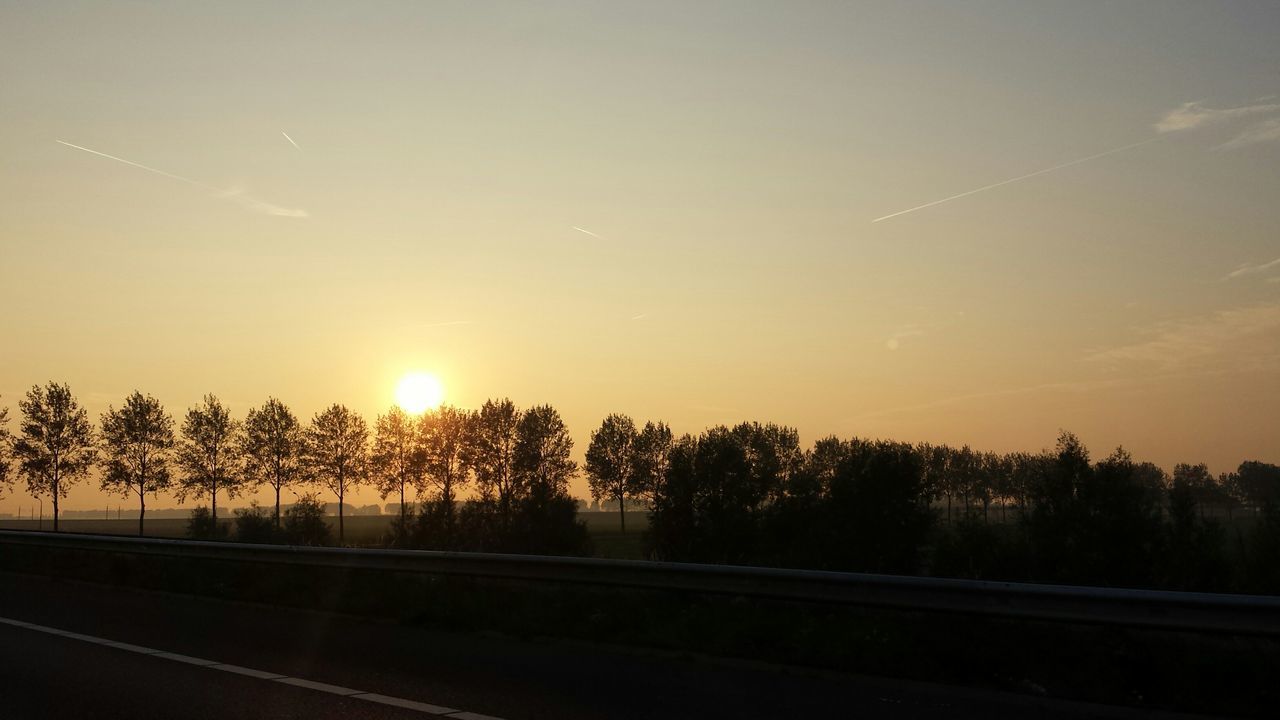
(291, 142)
(1020, 177)
(189, 181)
(575, 227)
(234, 194)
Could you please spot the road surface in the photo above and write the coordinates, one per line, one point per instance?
(189, 657)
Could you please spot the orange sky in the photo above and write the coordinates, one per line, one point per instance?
(664, 210)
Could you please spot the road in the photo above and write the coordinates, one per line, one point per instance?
(313, 665)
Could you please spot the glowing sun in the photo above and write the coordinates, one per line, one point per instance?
(418, 392)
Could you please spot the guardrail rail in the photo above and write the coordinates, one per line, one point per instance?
(1187, 611)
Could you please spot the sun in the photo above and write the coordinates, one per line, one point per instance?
(419, 392)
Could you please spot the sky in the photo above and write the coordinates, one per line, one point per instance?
(690, 212)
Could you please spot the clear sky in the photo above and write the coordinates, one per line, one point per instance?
(661, 209)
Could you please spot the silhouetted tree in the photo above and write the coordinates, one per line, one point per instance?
(398, 456)
(1197, 482)
(878, 517)
(1193, 557)
(445, 438)
(1259, 483)
(337, 454)
(272, 448)
(541, 463)
(491, 451)
(304, 522)
(6, 452)
(208, 454)
(611, 462)
(651, 458)
(137, 440)
(253, 525)
(55, 446)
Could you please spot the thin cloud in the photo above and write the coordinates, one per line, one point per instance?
(1247, 269)
(906, 331)
(291, 142)
(236, 195)
(1262, 132)
(1237, 339)
(641, 316)
(588, 232)
(1192, 115)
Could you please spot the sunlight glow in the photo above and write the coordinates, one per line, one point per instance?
(419, 392)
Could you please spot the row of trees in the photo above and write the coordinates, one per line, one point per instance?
(751, 494)
(508, 455)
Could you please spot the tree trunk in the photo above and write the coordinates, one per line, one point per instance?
(341, 534)
(622, 512)
(55, 508)
(277, 507)
(142, 511)
(213, 501)
(402, 506)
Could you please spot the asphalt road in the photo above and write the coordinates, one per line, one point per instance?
(48, 675)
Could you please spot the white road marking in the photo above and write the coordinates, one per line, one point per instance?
(421, 707)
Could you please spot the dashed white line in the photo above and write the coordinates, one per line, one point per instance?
(421, 707)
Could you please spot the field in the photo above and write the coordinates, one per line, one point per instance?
(361, 530)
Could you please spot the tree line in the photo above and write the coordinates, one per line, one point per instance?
(497, 478)
(514, 461)
(750, 494)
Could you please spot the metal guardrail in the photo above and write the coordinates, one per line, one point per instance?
(1187, 611)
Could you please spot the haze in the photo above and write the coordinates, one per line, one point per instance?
(662, 210)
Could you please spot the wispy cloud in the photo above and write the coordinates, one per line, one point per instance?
(1261, 132)
(1194, 114)
(1259, 123)
(588, 232)
(641, 316)
(236, 195)
(1242, 339)
(906, 331)
(1247, 269)
(291, 142)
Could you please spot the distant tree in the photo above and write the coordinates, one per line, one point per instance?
(878, 517)
(272, 448)
(6, 452)
(397, 460)
(611, 462)
(337, 453)
(1259, 484)
(201, 525)
(253, 525)
(652, 457)
(1197, 482)
(491, 453)
(1232, 494)
(304, 522)
(55, 448)
(773, 458)
(137, 441)
(445, 436)
(208, 454)
(541, 462)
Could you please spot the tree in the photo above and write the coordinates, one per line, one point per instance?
(272, 448)
(541, 462)
(397, 459)
(491, 453)
(208, 454)
(445, 436)
(337, 453)
(6, 451)
(55, 449)
(652, 457)
(611, 462)
(137, 440)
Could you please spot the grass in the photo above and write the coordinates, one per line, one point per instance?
(608, 540)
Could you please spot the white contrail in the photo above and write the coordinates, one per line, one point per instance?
(575, 227)
(291, 142)
(189, 181)
(235, 194)
(1020, 177)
